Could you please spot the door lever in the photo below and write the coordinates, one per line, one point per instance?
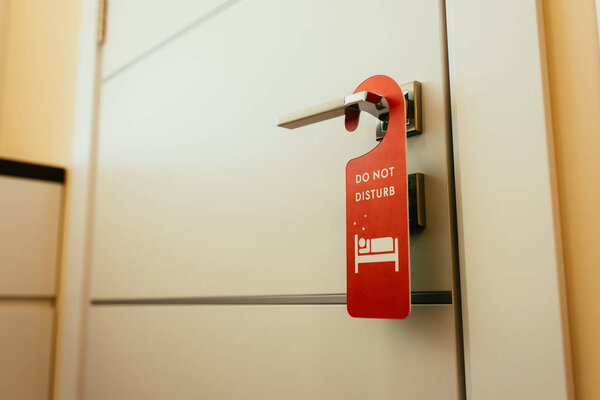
(372, 103)
(369, 102)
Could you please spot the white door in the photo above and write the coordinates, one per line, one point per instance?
(218, 239)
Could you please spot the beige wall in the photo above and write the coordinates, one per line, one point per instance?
(574, 74)
(37, 79)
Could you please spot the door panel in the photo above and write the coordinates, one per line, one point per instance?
(26, 335)
(30, 213)
(199, 194)
(268, 352)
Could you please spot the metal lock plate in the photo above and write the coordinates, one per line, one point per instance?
(416, 201)
(413, 111)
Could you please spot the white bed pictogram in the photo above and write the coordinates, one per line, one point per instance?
(383, 249)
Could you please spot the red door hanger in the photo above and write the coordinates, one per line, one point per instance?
(377, 227)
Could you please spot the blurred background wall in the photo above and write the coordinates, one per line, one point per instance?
(38, 53)
(37, 79)
(574, 75)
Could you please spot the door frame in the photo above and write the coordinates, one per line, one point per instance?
(516, 336)
(515, 321)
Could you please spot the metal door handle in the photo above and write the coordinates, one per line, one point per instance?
(371, 103)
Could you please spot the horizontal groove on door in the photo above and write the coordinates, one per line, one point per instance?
(49, 300)
(201, 20)
(417, 298)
